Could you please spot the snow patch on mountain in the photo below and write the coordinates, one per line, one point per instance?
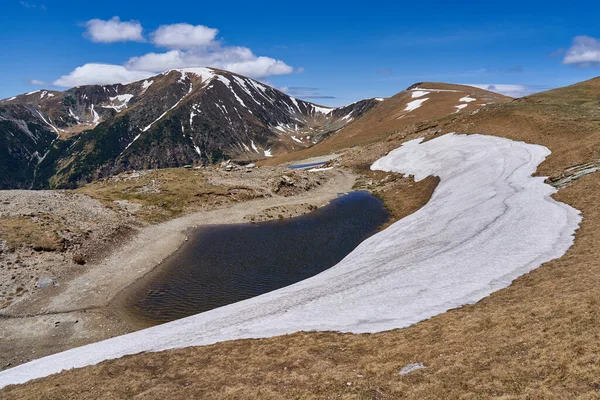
(418, 93)
(460, 107)
(413, 105)
(146, 84)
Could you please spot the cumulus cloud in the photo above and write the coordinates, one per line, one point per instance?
(100, 74)
(509, 89)
(37, 82)
(196, 46)
(585, 52)
(188, 46)
(234, 58)
(184, 36)
(113, 30)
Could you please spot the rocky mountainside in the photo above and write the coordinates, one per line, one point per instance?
(186, 116)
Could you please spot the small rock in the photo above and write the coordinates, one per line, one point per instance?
(407, 369)
(45, 282)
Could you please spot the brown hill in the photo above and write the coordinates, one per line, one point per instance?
(419, 103)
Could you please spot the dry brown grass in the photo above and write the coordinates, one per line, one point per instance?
(164, 193)
(22, 231)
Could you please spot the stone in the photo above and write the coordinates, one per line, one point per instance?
(407, 369)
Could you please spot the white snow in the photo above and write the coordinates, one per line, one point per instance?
(206, 74)
(146, 84)
(460, 107)
(320, 169)
(437, 90)
(121, 101)
(322, 109)
(12, 98)
(488, 222)
(239, 99)
(295, 139)
(379, 98)
(254, 146)
(134, 139)
(55, 129)
(419, 93)
(35, 91)
(467, 99)
(242, 84)
(268, 153)
(72, 114)
(45, 93)
(295, 101)
(95, 116)
(413, 105)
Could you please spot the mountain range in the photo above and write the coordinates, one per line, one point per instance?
(52, 139)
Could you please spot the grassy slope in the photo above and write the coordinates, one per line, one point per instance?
(389, 117)
(538, 338)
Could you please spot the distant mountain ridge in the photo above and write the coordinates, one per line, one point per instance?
(185, 116)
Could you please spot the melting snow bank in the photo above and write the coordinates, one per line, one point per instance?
(488, 222)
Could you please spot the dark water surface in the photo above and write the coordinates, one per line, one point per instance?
(223, 264)
(309, 165)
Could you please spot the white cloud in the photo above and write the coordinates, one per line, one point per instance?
(234, 58)
(508, 89)
(113, 30)
(37, 82)
(100, 74)
(184, 36)
(191, 46)
(584, 52)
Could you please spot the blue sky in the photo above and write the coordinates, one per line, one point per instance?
(331, 53)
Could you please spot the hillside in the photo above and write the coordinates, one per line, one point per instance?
(189, 116)
(537, 338)
(419, 103)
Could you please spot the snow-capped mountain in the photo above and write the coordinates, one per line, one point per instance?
(185, 116)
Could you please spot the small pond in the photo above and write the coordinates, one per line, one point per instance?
(224, 264)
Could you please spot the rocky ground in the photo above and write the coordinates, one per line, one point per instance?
(48, 235)
(65, 254)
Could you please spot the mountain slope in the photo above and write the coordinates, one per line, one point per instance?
(25, 137)
(421, 102)
(187, 116)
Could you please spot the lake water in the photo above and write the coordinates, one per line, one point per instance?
(223, 264)
(309, 165)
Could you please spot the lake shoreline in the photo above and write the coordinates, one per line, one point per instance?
(58, 325)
